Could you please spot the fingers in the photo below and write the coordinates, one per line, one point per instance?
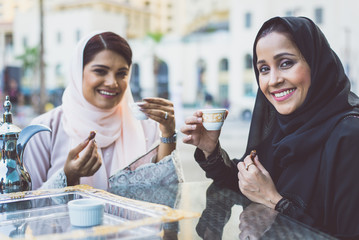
(91, 160)
(249, 162)
(73, 154)
(162, 111)
(191, 129)
(188, 139)
(158, 101)
(191, 124)
(158, 107)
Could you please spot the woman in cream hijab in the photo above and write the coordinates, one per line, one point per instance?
(97, 99)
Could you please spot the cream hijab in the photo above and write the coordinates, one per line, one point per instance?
(116, 125)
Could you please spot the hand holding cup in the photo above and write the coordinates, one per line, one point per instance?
(197, 133)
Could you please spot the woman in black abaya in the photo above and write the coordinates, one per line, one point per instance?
(305, 128)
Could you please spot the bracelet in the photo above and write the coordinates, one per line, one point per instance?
(171, 139)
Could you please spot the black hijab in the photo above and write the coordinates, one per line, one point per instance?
(283, 140)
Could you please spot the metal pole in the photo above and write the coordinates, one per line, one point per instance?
(42, 65)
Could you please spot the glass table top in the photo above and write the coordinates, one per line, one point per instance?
(189, 210)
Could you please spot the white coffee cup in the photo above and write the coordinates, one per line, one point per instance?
(213, 118)
(136, 111)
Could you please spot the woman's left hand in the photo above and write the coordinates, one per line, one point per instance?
(162, 111)
(256, 184)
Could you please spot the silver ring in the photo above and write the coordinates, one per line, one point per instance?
(247, 166)
(166, 115)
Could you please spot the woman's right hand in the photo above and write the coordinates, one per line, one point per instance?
(87, 164)
(198, 136)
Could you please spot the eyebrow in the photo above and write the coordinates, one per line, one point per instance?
(277, 56)
(104, 66)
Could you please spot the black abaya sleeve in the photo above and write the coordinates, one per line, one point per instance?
(219, 167)
(340, 178)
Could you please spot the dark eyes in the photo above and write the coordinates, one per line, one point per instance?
(263, 69)
(100, 71)
(122, 74)
(103, 72)
(285, 64)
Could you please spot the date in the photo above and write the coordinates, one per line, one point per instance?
(253, 154)
(92, 135)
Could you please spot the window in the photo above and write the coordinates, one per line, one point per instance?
(59, 38)
(248, 89)
(78, 35)
(8, 39)
(24, 42)
(223, 65)
(318, 15)
(247, 61)
(247, 20)
(289, 13)
(58, 70)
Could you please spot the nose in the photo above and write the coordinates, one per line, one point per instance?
(275, 78)
(111, 81)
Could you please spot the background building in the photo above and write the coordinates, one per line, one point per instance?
(203, 47)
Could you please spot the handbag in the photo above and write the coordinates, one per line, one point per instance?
(143, 171)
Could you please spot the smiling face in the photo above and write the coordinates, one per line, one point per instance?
(105, 79)
(284, 75)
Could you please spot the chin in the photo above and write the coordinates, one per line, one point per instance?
(107, 105)
(285, 112)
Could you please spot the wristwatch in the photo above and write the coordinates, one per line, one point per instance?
(171, 139)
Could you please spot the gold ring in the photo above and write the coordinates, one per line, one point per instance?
(247, 166)
(166, 115)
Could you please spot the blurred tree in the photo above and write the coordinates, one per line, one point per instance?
(30, 59)
(155, 36)
(30, 62)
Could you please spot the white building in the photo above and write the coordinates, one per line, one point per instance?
(62, 30)
(187, 56)
(213, 61)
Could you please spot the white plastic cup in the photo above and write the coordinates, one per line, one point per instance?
(137, 113)
(86, 212)
(213, 118)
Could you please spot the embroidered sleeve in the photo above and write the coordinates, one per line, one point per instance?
(58, 180)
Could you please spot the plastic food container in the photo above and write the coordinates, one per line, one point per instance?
(86, 212)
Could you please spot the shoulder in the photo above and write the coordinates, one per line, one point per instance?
(49, 117)
(348, 127)
(340, 145)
